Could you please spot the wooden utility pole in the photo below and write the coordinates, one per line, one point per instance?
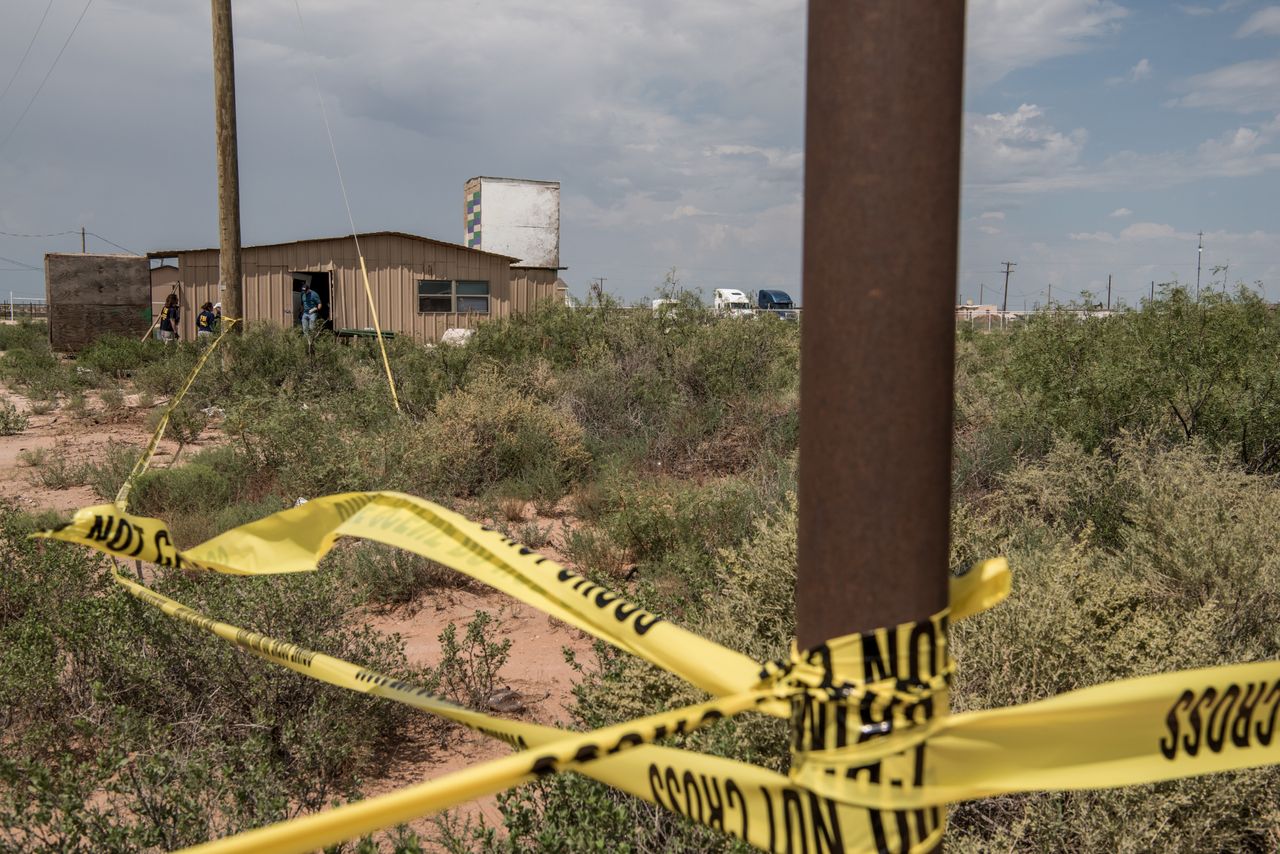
(1108, 292)
(224, 100)
(1008, 268)
(83, 251)
(882, 192)
(1153, 290)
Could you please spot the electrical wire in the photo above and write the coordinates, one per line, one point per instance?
(333, 149)
(26, 52)
(50, 234)
(116, 245)
(47, 75)
(29, 268)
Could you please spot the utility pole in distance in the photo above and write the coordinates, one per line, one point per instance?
(882, 191)
(1108, 292)
(224, 100)
(1199, 256)
(83, 251)
(1153, 290)
(1008, 268)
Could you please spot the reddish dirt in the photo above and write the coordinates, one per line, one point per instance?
(76, 438)
(536, 669)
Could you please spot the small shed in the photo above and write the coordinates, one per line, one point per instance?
(421, 286)
(92, 295)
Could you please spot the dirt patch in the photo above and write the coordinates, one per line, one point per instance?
(537, 670)
(76, 439)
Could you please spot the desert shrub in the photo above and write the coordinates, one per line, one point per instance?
(384, 576)
(1187, 578)
(1186, 367)
(127, 729)
(190, 488)
(116, 357)
(469, 666)
(163, 376)
(12, 422)
(109, 473)
(37, 370)
(24, 336)
(489, 434)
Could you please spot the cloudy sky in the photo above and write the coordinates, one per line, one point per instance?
(1100, 135)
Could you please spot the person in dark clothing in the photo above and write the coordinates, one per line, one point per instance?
(206, 320)
(170, 317)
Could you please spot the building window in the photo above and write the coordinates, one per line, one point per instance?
(473, 297)
(435, 296)
(443, 296)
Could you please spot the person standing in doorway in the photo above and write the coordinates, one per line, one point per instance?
(205, 322)
(310, 308)
(170, 316)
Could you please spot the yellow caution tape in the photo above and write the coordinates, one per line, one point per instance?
(751, 803)
(875, 753)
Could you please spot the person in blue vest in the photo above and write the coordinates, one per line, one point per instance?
(205, 322)
(170, 316)
(310, 308)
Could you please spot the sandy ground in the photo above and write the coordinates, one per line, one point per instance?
(78, 439)
(536, 669)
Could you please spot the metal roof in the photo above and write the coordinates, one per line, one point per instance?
(169, 253)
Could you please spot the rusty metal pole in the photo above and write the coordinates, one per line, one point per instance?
(224, 99)
(882, 187)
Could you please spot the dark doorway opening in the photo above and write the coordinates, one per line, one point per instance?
(320, 284)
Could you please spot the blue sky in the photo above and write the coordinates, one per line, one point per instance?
(1100, 136)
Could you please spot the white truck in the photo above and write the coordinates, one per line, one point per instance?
(733, 303)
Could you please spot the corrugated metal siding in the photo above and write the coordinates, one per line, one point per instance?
(395, 265)
(532, 285)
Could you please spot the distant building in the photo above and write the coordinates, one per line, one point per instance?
(94, 295)
(421, 286)
(519, 218)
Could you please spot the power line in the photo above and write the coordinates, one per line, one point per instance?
(47, 74)
(50, 234)
(26, 52)
(116, 245)
(23, 264)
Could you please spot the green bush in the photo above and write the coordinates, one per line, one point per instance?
(12, 422)
(24, 335)
(126, 729)
(117, 357)
(489, 434)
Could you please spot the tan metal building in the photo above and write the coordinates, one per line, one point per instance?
(421, 286)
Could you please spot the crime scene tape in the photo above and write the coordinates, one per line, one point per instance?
(874, 752)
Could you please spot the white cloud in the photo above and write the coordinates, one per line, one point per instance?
(1245, 87)
(1022, 152)
(989, 229)
(1018, 148)
(1121, 212)
(1264, 22)
(1005, 35)
(1148, 231)
(996, 215)
(1141, 71)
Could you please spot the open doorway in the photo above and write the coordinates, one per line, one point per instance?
(320, 284)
